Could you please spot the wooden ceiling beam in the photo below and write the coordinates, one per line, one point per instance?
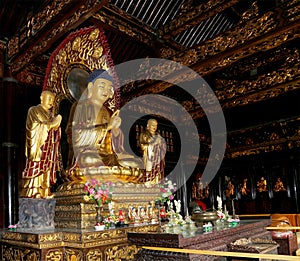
(267, 32)
(48, 33)
(121, 23)
(191, 15)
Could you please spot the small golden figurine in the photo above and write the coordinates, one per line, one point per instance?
(262, 185)
(279, 186)
(229, 190)
(244, 189)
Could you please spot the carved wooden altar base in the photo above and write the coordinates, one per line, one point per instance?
(72, 211)
(70, 244)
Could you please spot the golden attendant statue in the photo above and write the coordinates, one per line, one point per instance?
(42, 142)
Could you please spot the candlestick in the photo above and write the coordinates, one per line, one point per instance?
(233, 210)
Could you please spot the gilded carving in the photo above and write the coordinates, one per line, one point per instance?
(55, 255)
(75, 237)
(275, 136)
(167, 52)
(230, 39)
(284, 73)
(82, 50)
(212, 47)
(118, 253)
(94, 255)
(25, 58)
(10, 253)
(191, 15)
(120, 22)
(12, 236)
(251, 13)
(124, 15)
(109, 234)
(73, 255)
(74, 245)
(273, 56)
(263, 95)
(44, 238)
(46, 15)
(67, 208)
(31, 238)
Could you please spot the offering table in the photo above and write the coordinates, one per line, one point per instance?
(217, 239)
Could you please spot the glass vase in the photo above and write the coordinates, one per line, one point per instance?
(220, 223)
(99, 217)
(158, 206)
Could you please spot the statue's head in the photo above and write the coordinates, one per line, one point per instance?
(47, 99)
(97, 74)
(152, 126)
(100, 85)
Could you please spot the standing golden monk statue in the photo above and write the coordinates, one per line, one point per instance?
(41, 150)
(153, 147)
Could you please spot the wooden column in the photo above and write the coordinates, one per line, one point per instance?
(9, 164)
(2, 59)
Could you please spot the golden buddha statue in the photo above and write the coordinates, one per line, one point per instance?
(41, 150)
(93, 127)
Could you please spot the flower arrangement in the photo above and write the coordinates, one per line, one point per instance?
(230, 220)
(110, 221)
(174, 216)
(100, 193)
(167, 189)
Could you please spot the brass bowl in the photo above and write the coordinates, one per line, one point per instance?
(205, 217)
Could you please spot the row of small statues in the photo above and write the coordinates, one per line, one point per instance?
(199, 191)
(142, 214)
(261, 186)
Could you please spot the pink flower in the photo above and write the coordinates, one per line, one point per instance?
(220, 214)
(91, 191)
(98, 192)
(94, 182)
(13, 226)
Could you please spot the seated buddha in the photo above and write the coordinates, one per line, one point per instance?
(93, 126)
